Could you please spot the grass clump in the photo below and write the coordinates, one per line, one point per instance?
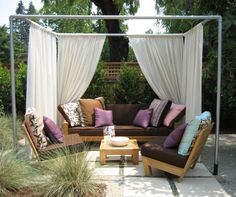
(70, 175)
(16, 172)
(6, 135)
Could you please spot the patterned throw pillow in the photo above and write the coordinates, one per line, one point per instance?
(72, 113)
(34, 124)
(88, 109)
(160, 109)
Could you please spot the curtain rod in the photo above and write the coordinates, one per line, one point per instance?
(118, 35)
(95, 17)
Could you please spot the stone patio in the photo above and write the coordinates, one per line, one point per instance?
(123, 179)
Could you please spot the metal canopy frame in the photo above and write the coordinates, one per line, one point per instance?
(205, 19)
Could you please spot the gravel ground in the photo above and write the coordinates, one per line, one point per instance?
(226, 160)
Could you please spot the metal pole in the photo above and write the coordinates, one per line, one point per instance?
(13, 95)
(106, 17)
(215, 172)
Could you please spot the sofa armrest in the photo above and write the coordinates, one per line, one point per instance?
(65, 127)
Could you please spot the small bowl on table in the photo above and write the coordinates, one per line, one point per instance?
(119, 141)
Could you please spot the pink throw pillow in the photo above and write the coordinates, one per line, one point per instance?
(175, 113)
(103, 117)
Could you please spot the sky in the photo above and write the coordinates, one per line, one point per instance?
(147, 8)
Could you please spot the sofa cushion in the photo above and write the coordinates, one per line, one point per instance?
(143, 118)
(72, 143)
(103, 117)
(124, 114)
(123, 130)
(160, 109)
(52, 131)
(34, 125)
(87, 108)
(173, 140)
(175, 113)
(72, 113)
(154, 149)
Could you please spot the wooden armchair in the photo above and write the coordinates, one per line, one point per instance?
(169, 160)
(71, 142)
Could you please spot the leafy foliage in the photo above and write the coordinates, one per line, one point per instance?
(132, 87)
(98, 86)
(5, 88)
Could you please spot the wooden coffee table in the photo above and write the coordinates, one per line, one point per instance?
(130, 149)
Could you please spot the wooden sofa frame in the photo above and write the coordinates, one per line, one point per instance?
(191, 162)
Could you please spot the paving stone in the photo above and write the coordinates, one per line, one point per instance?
(200, 187)
(146, 186)
(200, 170)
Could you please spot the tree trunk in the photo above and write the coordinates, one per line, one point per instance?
(118, 46)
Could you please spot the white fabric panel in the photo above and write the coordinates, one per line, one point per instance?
(77, 61)
(41, 72)
(160, 59)
(192, 72)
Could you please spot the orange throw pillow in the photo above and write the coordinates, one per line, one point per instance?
(88, 109)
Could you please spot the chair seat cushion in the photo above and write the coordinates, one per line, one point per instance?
(71, 143)
(154, 149)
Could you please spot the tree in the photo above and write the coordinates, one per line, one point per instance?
(118, 46)
(5, 47)
(227, 9)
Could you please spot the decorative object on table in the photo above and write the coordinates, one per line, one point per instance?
(119, 141)
(108, 132)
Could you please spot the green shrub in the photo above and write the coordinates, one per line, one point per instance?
(5, 89)
(69, 175)
(98, 86)
(16, 173)
(132, 87)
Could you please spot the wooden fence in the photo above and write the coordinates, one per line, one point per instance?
(112, 69)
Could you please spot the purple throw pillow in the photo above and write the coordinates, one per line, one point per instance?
(103, 117)
(143, 118)
(174, 138)
(52, 130)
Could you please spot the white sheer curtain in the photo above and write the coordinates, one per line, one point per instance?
(191, 88)
(41, 72)
(78, 57)
(160, 59)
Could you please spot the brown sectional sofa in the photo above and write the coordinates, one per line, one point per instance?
(123, 116)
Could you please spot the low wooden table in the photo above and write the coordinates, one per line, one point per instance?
(130, 149)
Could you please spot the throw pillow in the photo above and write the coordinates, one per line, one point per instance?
(160, 109)
(34, 124)
(205, 118)
(103, 117)
(188, 137)
(52, 130)
(174, 138)
(87, 108)
(143, 118)
(72, 113)
(175, 113)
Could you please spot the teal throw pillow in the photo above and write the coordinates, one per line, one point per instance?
(189, 135)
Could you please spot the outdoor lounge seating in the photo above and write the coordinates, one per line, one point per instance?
(72, 143)
(123, 117)
(168, 160)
